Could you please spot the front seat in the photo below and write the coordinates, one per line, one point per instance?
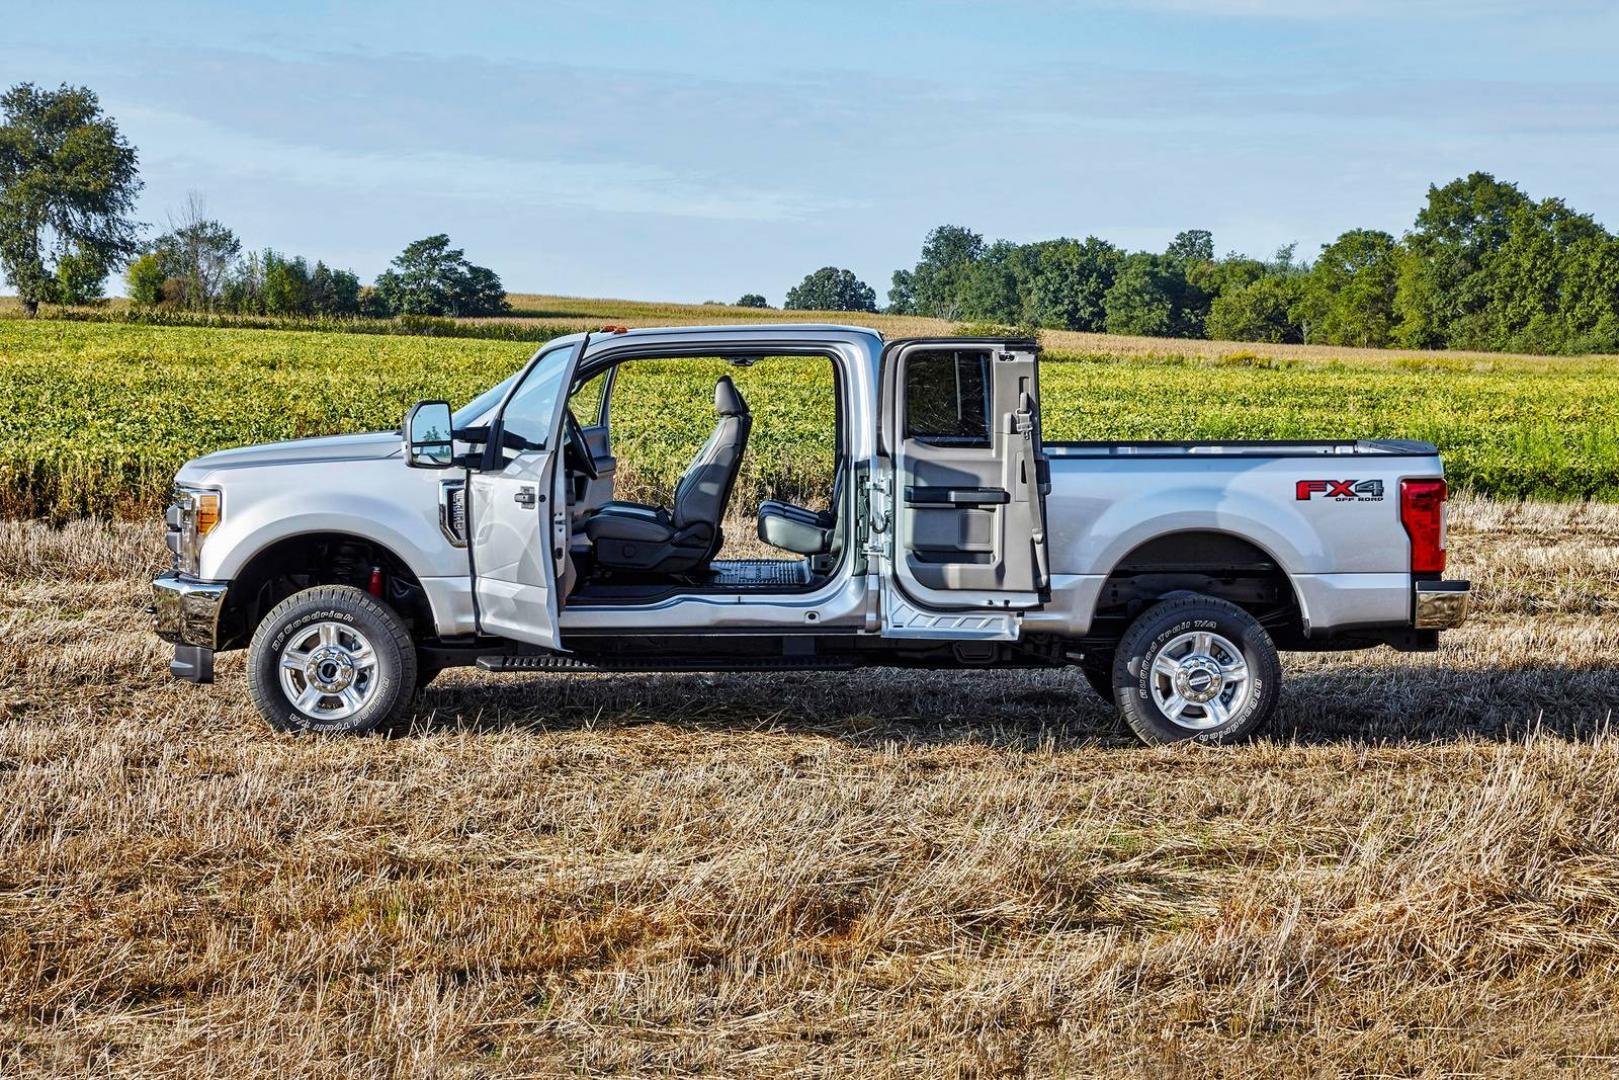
(652, 540)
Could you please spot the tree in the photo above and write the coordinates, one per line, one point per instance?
(1348, 296)
(144, 280)
(832, 289)
(1192, 245)
(902, 294)
(1283, 261)
(79, 278)
(286, 285)
(1442, 274)
(992, 286)
(67, 185)
(1591, 296)
(947, 254)
(1068, 280)
(199, 253)
(1189, 260)
(432, 278)
(753, 300)
(243, 291)
(1260, 310)
(334, 292)
(1142, 299)
(1531, 305)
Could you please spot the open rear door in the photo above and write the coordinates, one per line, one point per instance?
(965, 486)
(519, 508)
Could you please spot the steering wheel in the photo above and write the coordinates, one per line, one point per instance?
(578, 449)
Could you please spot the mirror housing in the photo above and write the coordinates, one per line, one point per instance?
(429, 436)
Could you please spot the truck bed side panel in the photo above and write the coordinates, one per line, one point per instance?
(1348, 555)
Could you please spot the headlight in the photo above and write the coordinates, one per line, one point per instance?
(194, 513)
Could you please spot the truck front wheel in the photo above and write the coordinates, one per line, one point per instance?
(1196, 668)
(331, 659)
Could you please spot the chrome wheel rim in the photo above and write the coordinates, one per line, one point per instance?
(328, 670)
(1200, 681)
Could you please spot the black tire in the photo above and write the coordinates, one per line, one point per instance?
(389, 684)
(1164, 627)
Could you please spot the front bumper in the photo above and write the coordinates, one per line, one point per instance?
(1441, 605)
(185, 609)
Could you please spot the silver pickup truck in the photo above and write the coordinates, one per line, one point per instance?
(355, 568)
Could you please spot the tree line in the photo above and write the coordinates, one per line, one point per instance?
(1484, 267)
(68, 182)
(199, 265)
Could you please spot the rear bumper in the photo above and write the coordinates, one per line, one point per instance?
(1440, 605)
(185, 610)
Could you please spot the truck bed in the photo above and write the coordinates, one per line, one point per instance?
(1241, 448)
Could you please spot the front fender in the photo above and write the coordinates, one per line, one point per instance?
(401, 516)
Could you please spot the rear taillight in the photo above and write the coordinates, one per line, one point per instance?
(1422, 512)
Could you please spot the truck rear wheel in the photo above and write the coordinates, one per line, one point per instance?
(1196, 668)
(331, 659)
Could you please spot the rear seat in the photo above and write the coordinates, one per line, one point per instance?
(793, 528)
(796, 529)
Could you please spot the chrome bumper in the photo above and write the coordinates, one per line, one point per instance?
(185, 610)
(1441, 605)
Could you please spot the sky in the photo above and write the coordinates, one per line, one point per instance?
(700, 150)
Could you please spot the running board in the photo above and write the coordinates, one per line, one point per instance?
(558, 662)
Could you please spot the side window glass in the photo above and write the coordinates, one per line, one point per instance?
(586, 402)
(529, 414)
(947, 397)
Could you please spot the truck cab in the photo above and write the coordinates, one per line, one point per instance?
(355, 568)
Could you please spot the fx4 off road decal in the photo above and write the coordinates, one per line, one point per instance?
(1340, 490)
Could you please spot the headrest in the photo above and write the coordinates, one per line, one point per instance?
(727, 402)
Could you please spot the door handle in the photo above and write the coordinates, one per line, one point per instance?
(956, 496)
(524, 497)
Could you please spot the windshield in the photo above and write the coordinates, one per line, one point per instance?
(484, 402)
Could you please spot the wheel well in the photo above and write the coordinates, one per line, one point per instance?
(1206, 562)
(295, 563)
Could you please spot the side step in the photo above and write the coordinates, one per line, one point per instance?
(559, 662)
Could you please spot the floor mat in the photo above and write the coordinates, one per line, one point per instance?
(754, 573)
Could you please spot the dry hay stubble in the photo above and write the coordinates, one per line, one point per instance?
(896, 873)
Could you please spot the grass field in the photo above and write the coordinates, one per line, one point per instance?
(877, 874)
(102, 414)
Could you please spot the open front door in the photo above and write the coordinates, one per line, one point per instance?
(966, 480)
(519, 508)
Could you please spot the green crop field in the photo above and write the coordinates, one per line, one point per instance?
(102, 414)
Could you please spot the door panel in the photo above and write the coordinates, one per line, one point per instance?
(517, 595)
(519, 512)
(961, 423)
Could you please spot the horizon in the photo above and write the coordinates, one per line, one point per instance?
(627, 150)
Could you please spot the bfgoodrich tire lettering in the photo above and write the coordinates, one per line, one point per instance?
(365, 636)
(1199, 646)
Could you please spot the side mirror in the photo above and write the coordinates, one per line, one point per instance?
(428, 433)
